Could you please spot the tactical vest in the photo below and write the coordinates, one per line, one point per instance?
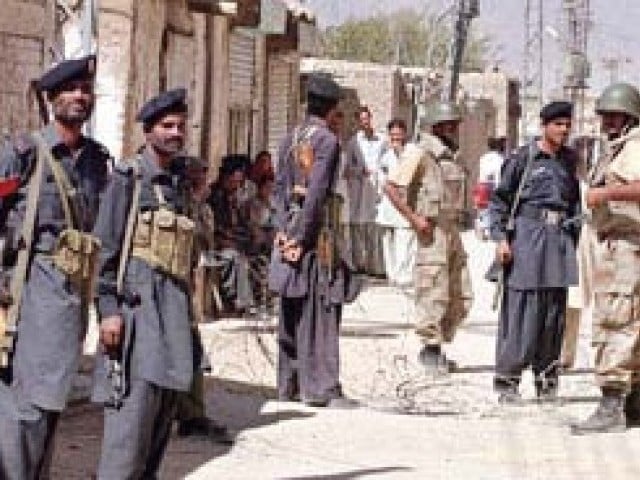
(164, 239)
(441, 188)
(453, 178)
(616, 218)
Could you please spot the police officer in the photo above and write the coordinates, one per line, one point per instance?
(428, 190)
(312, 287)
(144, 295)
(538, 256)
(62, 174)
(614, 196)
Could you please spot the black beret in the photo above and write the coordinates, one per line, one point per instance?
(558, 109)
(66, 71)
(324, 87)
(171, 101)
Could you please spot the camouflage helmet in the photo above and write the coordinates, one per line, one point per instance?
(442, 111)
(620, 98)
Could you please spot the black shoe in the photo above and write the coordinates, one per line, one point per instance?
(546, 389)
(205, 428)
(509, 396)
(608, 417)
(434, 360)
(632, 408)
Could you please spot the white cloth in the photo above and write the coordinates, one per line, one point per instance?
(400, 248)
(388, 215)
(490, 165)
(363, 173)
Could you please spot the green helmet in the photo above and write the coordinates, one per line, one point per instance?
(620, 98)
(442, 111)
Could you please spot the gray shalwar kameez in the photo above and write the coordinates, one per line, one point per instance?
(52, 314)
(311, 299)
(158, 352)
(544, 262)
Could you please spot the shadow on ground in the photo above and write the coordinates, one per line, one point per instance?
(234, 404)
(353, 474)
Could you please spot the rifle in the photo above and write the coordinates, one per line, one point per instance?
(116, 377)
(511, 226)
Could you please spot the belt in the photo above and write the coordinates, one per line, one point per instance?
(545, 215)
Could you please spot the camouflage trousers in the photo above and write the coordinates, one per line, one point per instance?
(616, 314)
(443, 292)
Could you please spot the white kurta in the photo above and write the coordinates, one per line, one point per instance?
(399, 241)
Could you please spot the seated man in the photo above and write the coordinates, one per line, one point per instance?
(261, 215)
(232, 238)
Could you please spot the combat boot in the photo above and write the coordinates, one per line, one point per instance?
(608, 417)
(434, 360)
(632, 407)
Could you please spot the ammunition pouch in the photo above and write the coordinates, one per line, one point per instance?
(76, 254)
(164, 240)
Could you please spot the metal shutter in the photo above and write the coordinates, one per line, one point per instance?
(242, 66)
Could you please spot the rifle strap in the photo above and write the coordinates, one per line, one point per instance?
(131, 225)
(523, 179)
(65, 188)
(26, 240)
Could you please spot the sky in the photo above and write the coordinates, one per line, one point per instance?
(614, 32)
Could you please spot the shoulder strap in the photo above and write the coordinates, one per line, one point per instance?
(62, 182)
(26, 242)
(160, 196)
(523, 179)
(131, 225)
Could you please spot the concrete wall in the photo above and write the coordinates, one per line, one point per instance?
(379, 87)
(27, 30)
(146, 46)
(503, 92)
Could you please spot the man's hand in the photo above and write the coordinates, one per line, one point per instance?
(291, 251)
(289, 248)
(111, 332)
(504, 253)
(596, 196)
(422, 226)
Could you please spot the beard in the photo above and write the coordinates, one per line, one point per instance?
(170, 146)
(72, 113)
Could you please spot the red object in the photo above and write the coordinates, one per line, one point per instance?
(9, 186)
(481, 193)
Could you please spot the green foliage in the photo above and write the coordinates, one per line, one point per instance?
(406, 38)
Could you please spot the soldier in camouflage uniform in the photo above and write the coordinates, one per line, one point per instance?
(428, 189)
(614, 197)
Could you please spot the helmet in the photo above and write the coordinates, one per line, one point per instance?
(621, 98)
(442, 111)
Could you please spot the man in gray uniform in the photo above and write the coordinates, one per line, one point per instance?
(537, 255)
(61, 173)
(147, 350)
(306, 269)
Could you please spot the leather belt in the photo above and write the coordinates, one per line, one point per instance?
(545, 215)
